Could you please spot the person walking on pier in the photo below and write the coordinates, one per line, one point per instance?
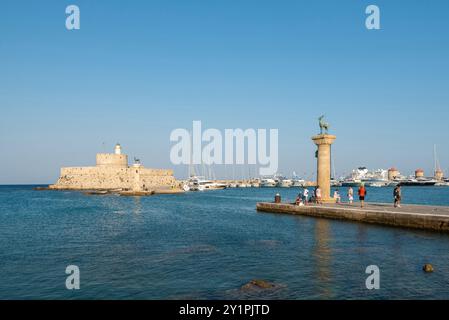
(397, 196)
(318, 195)
(350, 195)
(362, 195)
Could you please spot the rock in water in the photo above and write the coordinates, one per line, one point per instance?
(258, 284)
(427, 267)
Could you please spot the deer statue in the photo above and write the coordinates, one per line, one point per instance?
(323, 125)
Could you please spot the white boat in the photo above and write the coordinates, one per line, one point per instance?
(201, 184)
(284, 183)
(374, 178)
(267, 183)
(335, 183)
(298, 182)
(351, 183)
(194, 184)
(378, 184)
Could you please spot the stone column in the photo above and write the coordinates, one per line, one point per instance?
(324, 141)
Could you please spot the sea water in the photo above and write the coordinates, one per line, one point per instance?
(207, 245)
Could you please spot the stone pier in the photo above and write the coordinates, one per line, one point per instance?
(435, 218)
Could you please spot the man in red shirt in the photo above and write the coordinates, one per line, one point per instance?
(362, 194)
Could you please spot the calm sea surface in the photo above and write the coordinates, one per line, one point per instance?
(206, 245)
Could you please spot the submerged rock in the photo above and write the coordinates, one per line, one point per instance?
(41, 188)
(258, 284)
(427, 267)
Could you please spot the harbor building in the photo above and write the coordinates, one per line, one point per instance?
(419, 173)
(113, 172)
(439, 175)
(393, 174)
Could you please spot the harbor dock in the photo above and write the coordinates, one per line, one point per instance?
(434, 218)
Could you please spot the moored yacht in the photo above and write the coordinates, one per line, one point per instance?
(284, 183)
(201, 184)
(297, 182)
(267, 183)
(422, 182)
(351, 182)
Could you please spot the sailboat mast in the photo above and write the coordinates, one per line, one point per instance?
(434, 158)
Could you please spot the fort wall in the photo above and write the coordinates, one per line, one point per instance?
(112, 172)
(84, 178)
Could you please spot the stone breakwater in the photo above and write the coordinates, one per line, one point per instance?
(434, 218)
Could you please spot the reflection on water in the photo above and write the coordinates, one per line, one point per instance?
(322, 254)
(137, 205)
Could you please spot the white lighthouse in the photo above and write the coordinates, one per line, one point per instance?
(118, 149)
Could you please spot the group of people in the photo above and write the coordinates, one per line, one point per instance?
(303, 197)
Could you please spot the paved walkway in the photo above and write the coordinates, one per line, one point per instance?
(411, 216)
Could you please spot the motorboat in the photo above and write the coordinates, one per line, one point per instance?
(335, 183)
(201, 184)
(351, 183)
(243, 185)
(419, 182)
(284, 183)
(267, 183)
(297, 182)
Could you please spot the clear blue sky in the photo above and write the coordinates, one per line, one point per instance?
(139, 69)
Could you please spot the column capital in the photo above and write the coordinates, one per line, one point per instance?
(323, 139)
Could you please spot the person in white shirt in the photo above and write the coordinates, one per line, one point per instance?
(305, 195)
(318, 195)
(337, 196)
(350, 195)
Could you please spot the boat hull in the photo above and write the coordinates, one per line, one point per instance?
(417, 183)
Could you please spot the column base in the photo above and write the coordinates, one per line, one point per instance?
(328, 200)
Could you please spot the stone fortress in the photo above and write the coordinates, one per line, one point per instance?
(112, 172)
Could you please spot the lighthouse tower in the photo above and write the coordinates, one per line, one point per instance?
(118, 149)
(116, 159)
